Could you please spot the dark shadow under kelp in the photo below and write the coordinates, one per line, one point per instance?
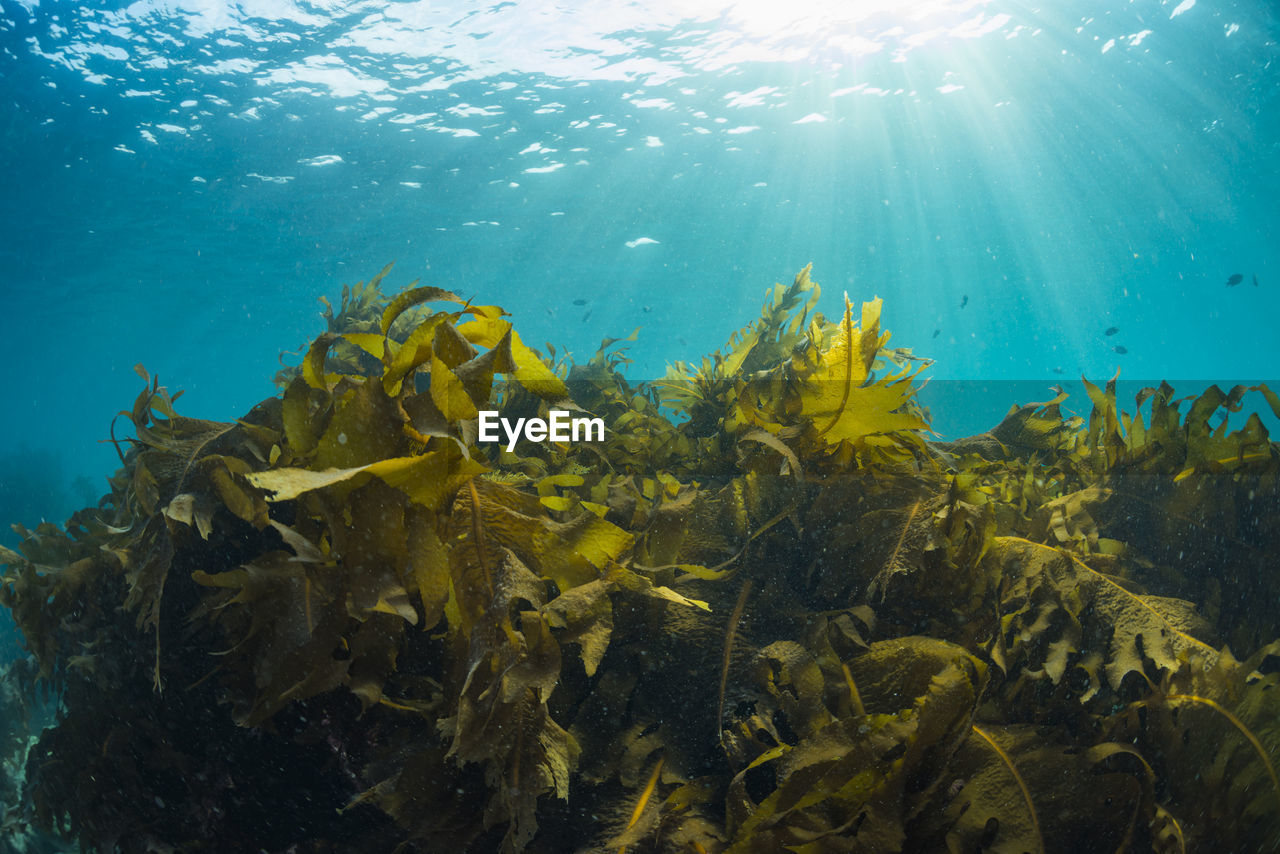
(763, 614)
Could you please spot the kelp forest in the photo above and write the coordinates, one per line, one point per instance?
(766, 613)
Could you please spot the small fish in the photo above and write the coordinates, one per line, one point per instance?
(964, 300)
(585, 316)
(937, 332)
(1112, 330)
(579, 302)
(1120, 349)
(1255, 280)
(648, 308)
(1236, 278)
(1059, 370)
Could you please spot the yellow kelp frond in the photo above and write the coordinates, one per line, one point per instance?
(705, 392)
(837, 398)
(759, 613)
(827, 398)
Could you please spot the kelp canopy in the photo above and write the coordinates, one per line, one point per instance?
(764, 614)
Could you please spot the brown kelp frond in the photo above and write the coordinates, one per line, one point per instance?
(1235, 722)
(1214, 726)
(474, 645)
(643, 801)
(730, 633)
(1022, 786)
(705, 393)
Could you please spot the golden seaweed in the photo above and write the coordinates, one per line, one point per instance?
(1017, 641)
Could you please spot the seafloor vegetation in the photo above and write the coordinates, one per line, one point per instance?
(765, 614)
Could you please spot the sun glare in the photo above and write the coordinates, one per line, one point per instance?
(855, 27)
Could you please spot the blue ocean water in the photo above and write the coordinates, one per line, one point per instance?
(1038, 191)
(183, 178)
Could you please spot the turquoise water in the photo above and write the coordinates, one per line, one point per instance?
(182, 180)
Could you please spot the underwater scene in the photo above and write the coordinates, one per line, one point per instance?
(682, 426)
